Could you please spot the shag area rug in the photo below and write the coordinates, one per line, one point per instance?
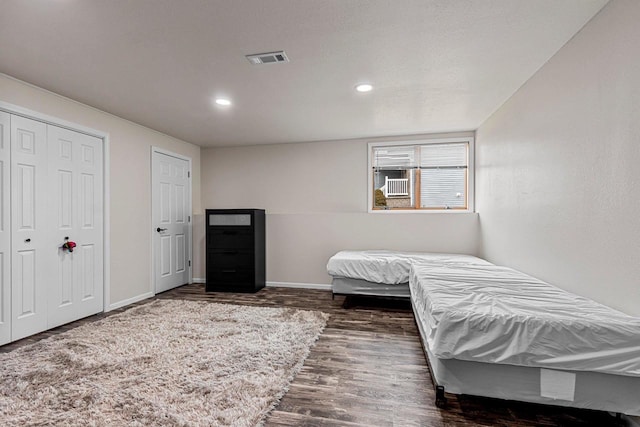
(165, 363)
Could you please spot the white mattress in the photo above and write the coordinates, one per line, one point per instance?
(390, 267)
(486, 313)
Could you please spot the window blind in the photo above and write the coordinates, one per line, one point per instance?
(443, 155)
(395, 157)
(443, 176)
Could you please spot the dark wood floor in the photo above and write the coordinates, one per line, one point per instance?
(368, 369)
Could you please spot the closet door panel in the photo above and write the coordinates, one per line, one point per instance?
(91, 225)
(30, 251)
(75, 200)
(63, 188)
(5, 229)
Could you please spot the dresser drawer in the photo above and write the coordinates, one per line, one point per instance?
(229, 219)
(225, 238)
(230, 257)
(230, 275)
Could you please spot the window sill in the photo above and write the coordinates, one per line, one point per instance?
(421, 211)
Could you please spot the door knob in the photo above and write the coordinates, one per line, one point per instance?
(160, 230)
(27, 240)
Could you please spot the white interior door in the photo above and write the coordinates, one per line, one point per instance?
(29, 237)
(75, 287)
(171, 194)
(5, 229)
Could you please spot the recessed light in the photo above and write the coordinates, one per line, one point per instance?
(223, 101)
(364, 87)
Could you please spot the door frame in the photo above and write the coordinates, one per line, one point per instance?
(106, 185)
(155, 149)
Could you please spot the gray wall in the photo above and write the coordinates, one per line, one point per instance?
(558, 166)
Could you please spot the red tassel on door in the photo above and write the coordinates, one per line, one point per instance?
(69, 245)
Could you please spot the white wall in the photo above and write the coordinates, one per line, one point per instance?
(315, 195)
(558, 166)
(130, 152)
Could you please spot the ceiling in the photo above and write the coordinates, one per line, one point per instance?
(436, 65)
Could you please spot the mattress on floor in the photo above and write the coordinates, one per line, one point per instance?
(390, 267)
(487, 313)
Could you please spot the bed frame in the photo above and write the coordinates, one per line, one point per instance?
(357, 287)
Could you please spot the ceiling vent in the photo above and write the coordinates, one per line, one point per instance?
(268, 58)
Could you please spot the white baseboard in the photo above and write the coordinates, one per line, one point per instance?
(299, 285)
(282, 284)
(129, 301)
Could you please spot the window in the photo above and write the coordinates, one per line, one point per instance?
(421, 175)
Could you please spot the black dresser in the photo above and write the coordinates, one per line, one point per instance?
(235, 250)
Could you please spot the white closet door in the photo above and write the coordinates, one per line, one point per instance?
(75, 207)
(30, 238)
(5, 229)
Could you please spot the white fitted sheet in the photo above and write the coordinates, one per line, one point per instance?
(390, 267)
(487, 313)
